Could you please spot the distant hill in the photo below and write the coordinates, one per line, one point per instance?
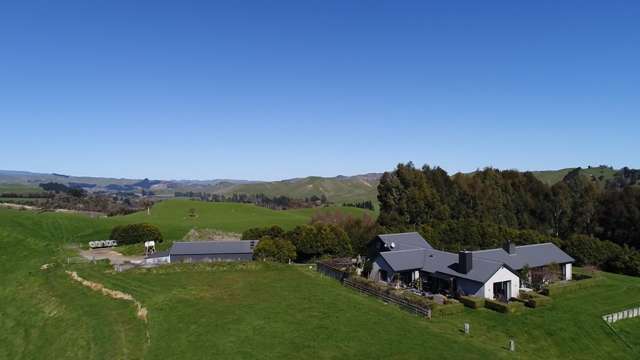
(598, 174)
(338, 189)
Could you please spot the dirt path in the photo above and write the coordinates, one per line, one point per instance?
(113, 256)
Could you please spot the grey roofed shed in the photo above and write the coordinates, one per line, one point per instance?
(531, 255)
(213, 247)
(404, 241)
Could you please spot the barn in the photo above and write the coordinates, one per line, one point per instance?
(219, 250)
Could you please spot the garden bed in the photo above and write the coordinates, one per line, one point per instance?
(407, 300)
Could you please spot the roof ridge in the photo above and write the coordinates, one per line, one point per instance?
(206, 241)
(544, 243)
(401, 251)
(402, 233)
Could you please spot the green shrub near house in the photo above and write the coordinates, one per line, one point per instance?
(533, 300)
(505, 308)
(562, 287)
(474, 302)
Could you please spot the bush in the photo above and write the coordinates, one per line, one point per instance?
(260, 232)
(568, 286)
(275, 250)
(533, 300)
(136, 233)
(505, 308)
(473, 302)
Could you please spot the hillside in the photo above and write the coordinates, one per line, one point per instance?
(338, 190)
(598, 174)
(259, 310)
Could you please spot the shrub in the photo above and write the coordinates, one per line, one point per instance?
(473, 302)
(533, 300)
(275, 250)
(505, 308)
(258, 233)
(136, 233)
(568, 286)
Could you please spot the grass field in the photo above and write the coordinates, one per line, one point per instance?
(629, 330)
(259, 310)
(19, 189)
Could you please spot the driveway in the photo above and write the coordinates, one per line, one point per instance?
(105, 253)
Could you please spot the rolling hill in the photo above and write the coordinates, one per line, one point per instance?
(338, 189)
(259, 310)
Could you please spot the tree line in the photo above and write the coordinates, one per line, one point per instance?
(271, 202)
(329, 234)
(368, 204)
(481, 209)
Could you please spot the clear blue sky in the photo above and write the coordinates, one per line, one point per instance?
(279, 89)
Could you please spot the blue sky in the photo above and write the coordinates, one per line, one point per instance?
(278, 89)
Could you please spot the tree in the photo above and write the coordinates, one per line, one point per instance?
(279, 250)
(136, 233)
(258, 233)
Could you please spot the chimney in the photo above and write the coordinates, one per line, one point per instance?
(465, 261)
(509, 247)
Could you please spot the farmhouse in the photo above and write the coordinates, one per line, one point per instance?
(410, 260)
(192, 251)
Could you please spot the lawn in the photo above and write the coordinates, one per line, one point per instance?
(259, 310)
(629, 330)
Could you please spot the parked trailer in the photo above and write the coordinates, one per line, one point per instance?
(102, 244)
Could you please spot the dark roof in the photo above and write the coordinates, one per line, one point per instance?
(158, 254)
(442, 262)
(213, 247)
(404, 241)
(531, 255)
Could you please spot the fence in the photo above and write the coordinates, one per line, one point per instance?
(621, 315)
(418, 310)
(331, 271)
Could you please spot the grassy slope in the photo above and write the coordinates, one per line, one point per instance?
(336, 190)
(629, 330)
(260, 310)
(44, 315)
(551, 177)
(19, 188)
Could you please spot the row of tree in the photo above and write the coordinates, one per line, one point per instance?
(368, 204)
(271, 202)
(473, 210)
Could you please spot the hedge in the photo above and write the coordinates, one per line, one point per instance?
(505, 308)
(569, 286)
(534, 300)
(136, 233)
(473, 302)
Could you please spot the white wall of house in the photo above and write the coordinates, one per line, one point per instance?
(503, 274)
(567, 271)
